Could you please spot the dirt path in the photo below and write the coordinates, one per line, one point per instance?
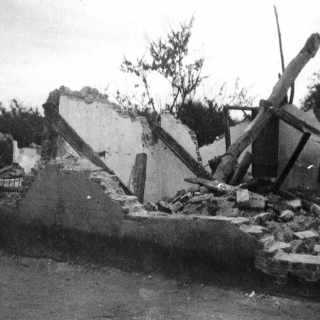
(45, 289)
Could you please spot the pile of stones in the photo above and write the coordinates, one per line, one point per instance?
(290, 225)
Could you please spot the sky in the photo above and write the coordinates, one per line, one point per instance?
(46, 44)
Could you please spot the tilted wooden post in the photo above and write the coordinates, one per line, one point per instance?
(279, 92)
(304, 139)
(226, 127)
(61, 126)
(242, 169)
(139, 176)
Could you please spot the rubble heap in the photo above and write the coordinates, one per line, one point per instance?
(107, 182)
(287, 230)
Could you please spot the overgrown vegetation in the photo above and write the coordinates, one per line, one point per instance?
(312, 99)
(24, 124)
(169, 59)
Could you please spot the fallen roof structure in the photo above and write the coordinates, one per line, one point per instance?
(211, 217)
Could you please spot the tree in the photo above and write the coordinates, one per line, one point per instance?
(167, 58)
(312, 99)
(205, 117)
(24, 124)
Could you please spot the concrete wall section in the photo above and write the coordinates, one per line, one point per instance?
(70, 200)
(180, 132)
(122, 135)
(221, 240)
(310, 156)
(67, 199)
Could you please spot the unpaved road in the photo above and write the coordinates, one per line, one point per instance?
(45, 289)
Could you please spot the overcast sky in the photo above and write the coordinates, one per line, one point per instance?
(46, 44)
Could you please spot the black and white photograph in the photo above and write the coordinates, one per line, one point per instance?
(159, 160)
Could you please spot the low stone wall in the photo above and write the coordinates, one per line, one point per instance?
(66, 198)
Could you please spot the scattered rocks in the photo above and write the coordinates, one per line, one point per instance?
(150, 206)
(294, 204)
(204, 197)
(316, 248)
(164, 206)
(181, 192)
(296, 246)
(256, 231)
(233, 212)
(257, 202)
(262, 218)
(287, 215)
(176, 207)
(315, 209)
(243, 198)
(306, 234)
(194, 188)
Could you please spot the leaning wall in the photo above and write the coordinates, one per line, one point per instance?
(121, 134)
(305, 171)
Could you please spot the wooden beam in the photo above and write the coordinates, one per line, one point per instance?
(295, 122)
(77, 143)
(139, 175)
(226, 127)
(278, 93)
(6, 168)
(242, 169)
(242, 108)
(304, 139)
(180, 152)
(211, 185)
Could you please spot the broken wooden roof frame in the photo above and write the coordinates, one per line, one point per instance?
(271, 108)
(62, 127)
(268, 108)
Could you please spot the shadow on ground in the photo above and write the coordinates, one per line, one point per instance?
(185, 266)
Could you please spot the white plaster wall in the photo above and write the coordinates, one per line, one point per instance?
(179, 132)
(218, 147)
(288, 140)
(106, 128)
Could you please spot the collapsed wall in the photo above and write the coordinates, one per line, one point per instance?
(305, 171)
(119, 135)
(74, 195)
(218, 147)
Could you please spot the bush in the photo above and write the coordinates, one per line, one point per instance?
(205, 120)
(25, 125)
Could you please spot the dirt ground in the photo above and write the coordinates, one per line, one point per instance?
(45, 289)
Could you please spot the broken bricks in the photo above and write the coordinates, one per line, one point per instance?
(243, 198)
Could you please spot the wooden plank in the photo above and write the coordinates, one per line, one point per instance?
(278, 93)
(304, 139)
(295, 122)
(180, 152)
(77, 143)
(226, 127)
(139, 176)
(265, 150)
(242, 169)
(211, 184)
(242, 108)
